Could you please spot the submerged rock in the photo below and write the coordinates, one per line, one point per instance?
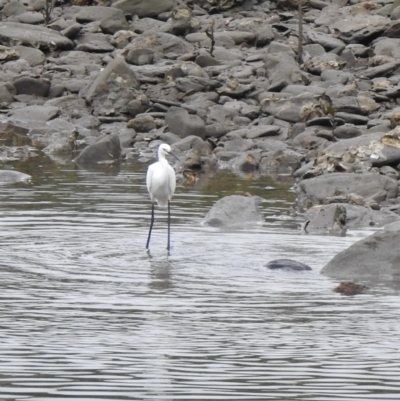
(287, 264)
(349, 288)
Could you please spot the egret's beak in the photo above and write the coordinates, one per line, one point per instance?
(174, 156)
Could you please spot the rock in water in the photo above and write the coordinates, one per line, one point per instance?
(234, 211)
(350, 288)
(13, 177)
(374, 259)
(287, 264)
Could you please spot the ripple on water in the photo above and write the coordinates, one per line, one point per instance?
(86, 314)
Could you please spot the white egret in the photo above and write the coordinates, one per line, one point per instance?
(161, 184)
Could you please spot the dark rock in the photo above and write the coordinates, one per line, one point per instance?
(234, 211)
(32, 86)
(142, 123)
(204, 60)
(349, 288)
(347, 131)
(287, 264)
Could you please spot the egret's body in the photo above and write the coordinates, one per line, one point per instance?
(161, 184)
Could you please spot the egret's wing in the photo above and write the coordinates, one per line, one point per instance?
(149, 179)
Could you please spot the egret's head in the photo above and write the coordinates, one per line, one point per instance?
(164, 150)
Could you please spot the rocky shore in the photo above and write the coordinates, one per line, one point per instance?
(228, 83)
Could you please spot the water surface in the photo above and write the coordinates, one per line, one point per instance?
(86, 314)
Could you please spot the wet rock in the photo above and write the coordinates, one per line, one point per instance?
(14, 177)
(105, 150)
(287, 264)
(234, 211)
(374, 259)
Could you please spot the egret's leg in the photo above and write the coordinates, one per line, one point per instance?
(151, 225)
(169, 229)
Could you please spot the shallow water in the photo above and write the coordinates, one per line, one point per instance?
(86, 314)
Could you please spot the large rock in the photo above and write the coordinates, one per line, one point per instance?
(315, 190)
(15, 33)
(234, 211)
(375, 259)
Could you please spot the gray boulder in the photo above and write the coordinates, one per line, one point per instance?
(234, 211)
(105, 150)
(315, 190)
(374, 259)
